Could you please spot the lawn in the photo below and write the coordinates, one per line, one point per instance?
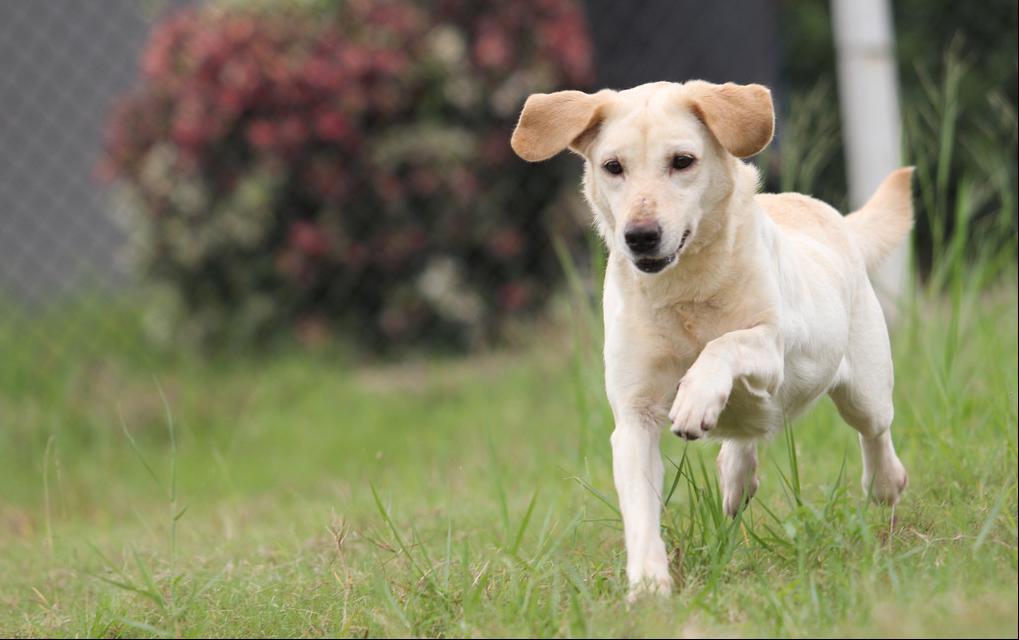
(301, 495)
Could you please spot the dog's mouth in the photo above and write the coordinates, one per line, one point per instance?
(655, 265)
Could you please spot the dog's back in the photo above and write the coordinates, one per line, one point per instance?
(874, 230)
(796, 214)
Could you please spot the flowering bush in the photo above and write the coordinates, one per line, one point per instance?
(343, 167)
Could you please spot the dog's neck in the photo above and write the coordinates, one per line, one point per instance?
(707, 268)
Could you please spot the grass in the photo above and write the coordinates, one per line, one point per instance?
(474, 497)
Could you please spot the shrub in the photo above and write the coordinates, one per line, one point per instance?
(320, 168)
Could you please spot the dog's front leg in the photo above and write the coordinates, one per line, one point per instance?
(752, 356)
(638, 471)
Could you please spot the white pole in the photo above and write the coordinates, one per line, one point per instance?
(871, 123)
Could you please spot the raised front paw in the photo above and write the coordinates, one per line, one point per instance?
(699, 401)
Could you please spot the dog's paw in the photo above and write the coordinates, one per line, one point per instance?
(736, 496)
(887, 484)
(660, 586)
(737, 475)
(699, 401)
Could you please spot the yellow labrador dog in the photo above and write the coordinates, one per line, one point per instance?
(727, 311)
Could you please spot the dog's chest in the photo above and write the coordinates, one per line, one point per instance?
(689, 326)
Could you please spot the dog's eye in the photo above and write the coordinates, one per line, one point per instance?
(680, 162)
(613, 167)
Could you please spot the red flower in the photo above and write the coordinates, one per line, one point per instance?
(240, 29)
(357, 60)
(324, 73)
(331, 126)
(492, 50)
(513, 296)
(292, 132)
(565, 39)
(240, 74)
(262, 134)
(308, 239)
(389, 61)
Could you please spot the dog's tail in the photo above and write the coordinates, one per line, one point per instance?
(884, 222)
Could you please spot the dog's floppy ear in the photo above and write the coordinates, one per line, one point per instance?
(740, 116)
(551, 122)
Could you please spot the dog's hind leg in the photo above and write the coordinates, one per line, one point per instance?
(863, 397)
(737, 472)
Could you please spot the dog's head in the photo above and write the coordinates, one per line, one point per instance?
(660, 157)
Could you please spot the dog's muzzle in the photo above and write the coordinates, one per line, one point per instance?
(655, 265)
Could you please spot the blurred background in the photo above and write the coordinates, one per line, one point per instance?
(215, 177)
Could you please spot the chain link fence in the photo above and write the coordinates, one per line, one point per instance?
(63, 288)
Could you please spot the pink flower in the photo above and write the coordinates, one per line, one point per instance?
(188, 134)
(292, 132)
(191, 125)
(230, 102)
(389, 61)
(323, 73)
(356, 60)
(309, 239)
(331, 126)
(240, 74)
(240, 29)
(565, 39)
(492, 50)
(262, 134)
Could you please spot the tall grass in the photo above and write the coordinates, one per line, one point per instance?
(966, 186)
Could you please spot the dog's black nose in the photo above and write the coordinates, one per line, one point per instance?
(643, 237)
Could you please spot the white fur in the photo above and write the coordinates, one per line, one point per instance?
(767, 307)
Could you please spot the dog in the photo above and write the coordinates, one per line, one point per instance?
(727, 312)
